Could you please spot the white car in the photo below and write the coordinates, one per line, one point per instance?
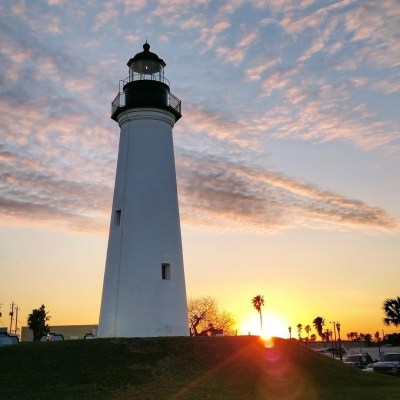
(389, 364)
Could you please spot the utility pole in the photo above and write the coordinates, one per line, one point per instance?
(16, 319)
(11, 315)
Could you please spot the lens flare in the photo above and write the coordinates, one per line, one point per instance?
(274, 325)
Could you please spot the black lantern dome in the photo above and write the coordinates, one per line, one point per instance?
(145, 86)
(146, 62)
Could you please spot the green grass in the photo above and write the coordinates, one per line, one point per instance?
(234, 368)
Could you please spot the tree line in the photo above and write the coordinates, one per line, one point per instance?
(206, 319)
(391, 308)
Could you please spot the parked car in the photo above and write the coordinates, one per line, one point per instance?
(53, 337)
(388, 364)
(360, 360)
(6, 339)
(330, 351)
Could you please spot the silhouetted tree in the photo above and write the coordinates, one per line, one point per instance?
(319, 323)
(205, 318)
(37, 322)
(327, 335)
(258, 303)
(393, 339)
(313, 337)
(308, 330)
(392, 311)
(368, 338)
(299, 329)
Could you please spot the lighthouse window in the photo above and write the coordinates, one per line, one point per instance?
(166, 271)
(117, 217)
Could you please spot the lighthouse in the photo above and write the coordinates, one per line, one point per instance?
(144, 292)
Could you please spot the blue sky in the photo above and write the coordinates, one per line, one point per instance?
(290, 136)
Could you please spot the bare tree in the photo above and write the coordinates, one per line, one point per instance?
(205, 318)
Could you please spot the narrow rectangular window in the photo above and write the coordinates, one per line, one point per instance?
(166, 271)
(117, 217)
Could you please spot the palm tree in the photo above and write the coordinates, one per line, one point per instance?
(299, 329)
(319, 323)
(308, 330)
(258, 302)
(392, 311)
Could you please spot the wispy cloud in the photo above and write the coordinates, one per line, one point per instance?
(109, 13)
(220, 193)
(254, 73)
(236, 54)
(214, 192)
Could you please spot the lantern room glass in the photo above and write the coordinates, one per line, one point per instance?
(146, 69)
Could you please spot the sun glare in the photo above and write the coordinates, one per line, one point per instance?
(273, 325)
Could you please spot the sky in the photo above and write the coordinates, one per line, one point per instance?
(287, 154)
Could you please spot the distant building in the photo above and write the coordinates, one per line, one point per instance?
(69, 332)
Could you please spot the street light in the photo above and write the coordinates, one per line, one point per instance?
(340, 342)
(334, 330)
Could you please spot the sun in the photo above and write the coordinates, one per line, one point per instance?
(274, 324)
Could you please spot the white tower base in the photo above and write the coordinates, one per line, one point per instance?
(144, 285)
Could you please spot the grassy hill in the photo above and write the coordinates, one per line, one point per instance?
(234, 368)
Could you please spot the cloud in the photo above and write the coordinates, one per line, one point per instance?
(279, 80)
(131, 6)
(102, 18)
(321, 121)
(297, 70)
(213, 192)
(231, 6)
(218, 193)
(237, 53)
(254, 73)
(209, 35)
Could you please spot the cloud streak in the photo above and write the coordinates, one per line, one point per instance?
(223, 194)
(214, 192)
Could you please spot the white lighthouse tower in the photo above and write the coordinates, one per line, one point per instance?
(144, 291)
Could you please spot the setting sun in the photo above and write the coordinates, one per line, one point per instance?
(273, 325)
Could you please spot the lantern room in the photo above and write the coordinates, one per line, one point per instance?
(146, 65)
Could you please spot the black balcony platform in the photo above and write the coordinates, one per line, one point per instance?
(146, 93)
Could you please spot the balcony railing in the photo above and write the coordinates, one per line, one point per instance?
(119, 101)
(143, 77)
(174, 102)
